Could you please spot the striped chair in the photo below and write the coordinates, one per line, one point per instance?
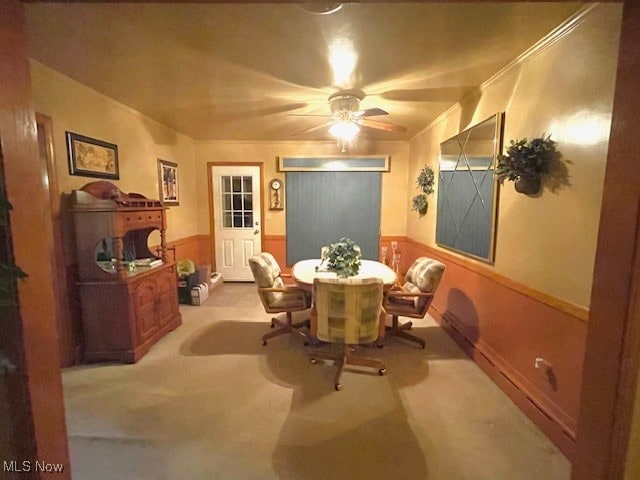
(349, 312)
(414, 297)
(278, 298)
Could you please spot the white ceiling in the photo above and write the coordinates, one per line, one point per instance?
(236, 71)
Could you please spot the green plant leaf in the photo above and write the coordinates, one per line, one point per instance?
(343, 258)
(524, 157)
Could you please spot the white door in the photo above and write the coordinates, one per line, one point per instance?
(236, 203)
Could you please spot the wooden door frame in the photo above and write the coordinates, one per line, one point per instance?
(212, 233)
(69, 352)
(32, 235)
(612, 354)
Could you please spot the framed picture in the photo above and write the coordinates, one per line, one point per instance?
(89, 157)
(168, 181)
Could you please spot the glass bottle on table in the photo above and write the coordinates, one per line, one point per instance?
(324, 254)
(395, 266)
(395, 262)
(383, 255)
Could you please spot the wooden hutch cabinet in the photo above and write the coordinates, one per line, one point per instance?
(129, 297)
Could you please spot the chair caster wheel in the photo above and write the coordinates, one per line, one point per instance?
(379, 345)
(306, 344)
(264, 342)
(382, 371)
(337, 386)
(273, 325)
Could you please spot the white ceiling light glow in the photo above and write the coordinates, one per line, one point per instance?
(344, 130)
(343, 63)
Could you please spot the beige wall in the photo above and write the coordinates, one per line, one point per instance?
(141, 141)
(394, 182)
(79, 109)
(547, 242)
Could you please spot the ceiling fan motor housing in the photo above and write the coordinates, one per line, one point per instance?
(344, 103)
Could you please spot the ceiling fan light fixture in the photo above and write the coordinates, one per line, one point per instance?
(344, 130)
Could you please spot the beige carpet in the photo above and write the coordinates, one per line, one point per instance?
(210, 402)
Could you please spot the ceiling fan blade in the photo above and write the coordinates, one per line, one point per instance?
(313, 129)
(389, 127)
(309, 115)
(370, 112)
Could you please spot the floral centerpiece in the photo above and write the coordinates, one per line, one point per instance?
(343, 258)
(526, 161)
(425, 182)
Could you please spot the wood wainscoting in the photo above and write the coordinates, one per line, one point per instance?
(508, 328)
(196, 248)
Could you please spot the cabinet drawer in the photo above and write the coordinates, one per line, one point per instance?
(131, 220)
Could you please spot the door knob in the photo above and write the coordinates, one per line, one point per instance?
(256, 232)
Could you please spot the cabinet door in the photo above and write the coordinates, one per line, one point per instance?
(145, 294)
(167, 295)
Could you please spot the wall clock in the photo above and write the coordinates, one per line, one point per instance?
(276, 195)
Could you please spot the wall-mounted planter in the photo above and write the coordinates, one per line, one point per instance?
(528, 184)
(425, 182)
(525, 162)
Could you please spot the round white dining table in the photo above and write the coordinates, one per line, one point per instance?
(304, 272)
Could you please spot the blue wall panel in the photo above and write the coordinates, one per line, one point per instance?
(322, 207)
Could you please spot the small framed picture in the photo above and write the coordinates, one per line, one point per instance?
(89, 157)
(168, 180)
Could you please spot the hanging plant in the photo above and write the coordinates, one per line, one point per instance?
(525, 162)
(419, 204)
(425, 182)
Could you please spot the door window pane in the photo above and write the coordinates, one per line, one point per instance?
(236, 200)
(226, 202)
(226, 184)
(247, 185)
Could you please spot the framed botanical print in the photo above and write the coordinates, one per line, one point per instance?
(168, 179)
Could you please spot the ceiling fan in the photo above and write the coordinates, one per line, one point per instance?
(346, 118)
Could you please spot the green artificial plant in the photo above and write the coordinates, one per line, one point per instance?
(425, 182)
(343, 258)
(526, 158)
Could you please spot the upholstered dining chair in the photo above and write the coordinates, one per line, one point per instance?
(278, 298)
(413, 298)
(348, 312)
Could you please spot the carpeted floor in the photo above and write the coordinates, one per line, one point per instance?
(210, 402)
